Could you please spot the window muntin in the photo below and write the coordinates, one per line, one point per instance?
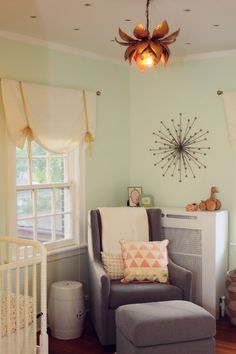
(44, 189)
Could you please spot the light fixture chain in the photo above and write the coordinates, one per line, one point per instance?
(147, 13)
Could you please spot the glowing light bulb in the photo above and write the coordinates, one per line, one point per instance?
(149, 61)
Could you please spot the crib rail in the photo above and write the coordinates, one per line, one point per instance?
(22, 295)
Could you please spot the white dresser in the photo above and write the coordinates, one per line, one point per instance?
(199, 242)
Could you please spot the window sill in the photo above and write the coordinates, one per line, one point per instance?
(65, 252)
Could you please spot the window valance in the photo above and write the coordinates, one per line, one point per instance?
(56, 118)
(230, 110)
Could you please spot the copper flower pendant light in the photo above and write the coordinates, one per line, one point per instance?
(147, 50)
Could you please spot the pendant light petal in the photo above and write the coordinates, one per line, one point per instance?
(140, 66)
(157, 59)
(129, 51)
(171, 38)
(125, 36)
(156, 48)
(141, 46)
(165, 47)
(131, 57)
(140, 32)
(164, 58)
(124, 43)
(161, 30)
(165, 54)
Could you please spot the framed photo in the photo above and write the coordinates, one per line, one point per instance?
(146, 200)
(134, 194)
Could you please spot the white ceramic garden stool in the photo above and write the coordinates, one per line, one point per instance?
(66, 309)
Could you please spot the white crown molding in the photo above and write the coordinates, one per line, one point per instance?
(57, 46)
(204, 56)
(72, 50)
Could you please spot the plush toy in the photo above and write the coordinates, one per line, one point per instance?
(202, 206)
(210, 204)
(191, 207)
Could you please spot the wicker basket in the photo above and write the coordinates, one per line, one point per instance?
(230, 285)
(232, 292)
(232, 275)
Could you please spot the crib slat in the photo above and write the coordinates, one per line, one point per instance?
(9, 311)
(26, 302)
(17, 306)
(9, 253)
(2, 244)
(34, 295)
(17, 303)
(1, 298)
(44, 336)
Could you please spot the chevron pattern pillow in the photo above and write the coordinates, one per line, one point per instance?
(145, 261)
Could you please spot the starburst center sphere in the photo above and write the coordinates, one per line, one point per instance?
(179, 149)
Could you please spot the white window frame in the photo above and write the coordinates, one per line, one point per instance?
(77, 173)
(35, 190)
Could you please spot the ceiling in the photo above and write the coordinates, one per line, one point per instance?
(206, 25)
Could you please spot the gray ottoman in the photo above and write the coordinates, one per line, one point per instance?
(168, 327)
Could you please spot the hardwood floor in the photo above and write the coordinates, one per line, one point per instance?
(225, 337)
(88, 343)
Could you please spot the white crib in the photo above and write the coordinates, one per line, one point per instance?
(23, 282)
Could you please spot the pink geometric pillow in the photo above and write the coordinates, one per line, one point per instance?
(145, 261)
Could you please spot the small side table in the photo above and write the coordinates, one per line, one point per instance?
(66, 309)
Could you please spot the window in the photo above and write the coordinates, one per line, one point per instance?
(45, 189)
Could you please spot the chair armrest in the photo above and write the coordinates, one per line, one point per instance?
(99, 282)
(182, 278)
(99, 298)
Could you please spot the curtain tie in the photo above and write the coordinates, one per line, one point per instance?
(88, 137)
(26, 131)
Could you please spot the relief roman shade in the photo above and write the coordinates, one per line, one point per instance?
(230, 110)
(56, 118)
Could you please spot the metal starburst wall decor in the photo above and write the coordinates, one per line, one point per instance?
(179, 149)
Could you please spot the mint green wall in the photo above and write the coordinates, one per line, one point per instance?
(107, 170)
(189, 88)
(130, 108)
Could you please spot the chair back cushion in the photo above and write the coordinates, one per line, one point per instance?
(122, 223)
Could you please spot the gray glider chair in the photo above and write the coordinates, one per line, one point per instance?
(107, 295)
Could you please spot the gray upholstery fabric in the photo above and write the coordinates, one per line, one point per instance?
(103, 301)
(122, 294)
(204, 346)
(181, 278)
(164, 322)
